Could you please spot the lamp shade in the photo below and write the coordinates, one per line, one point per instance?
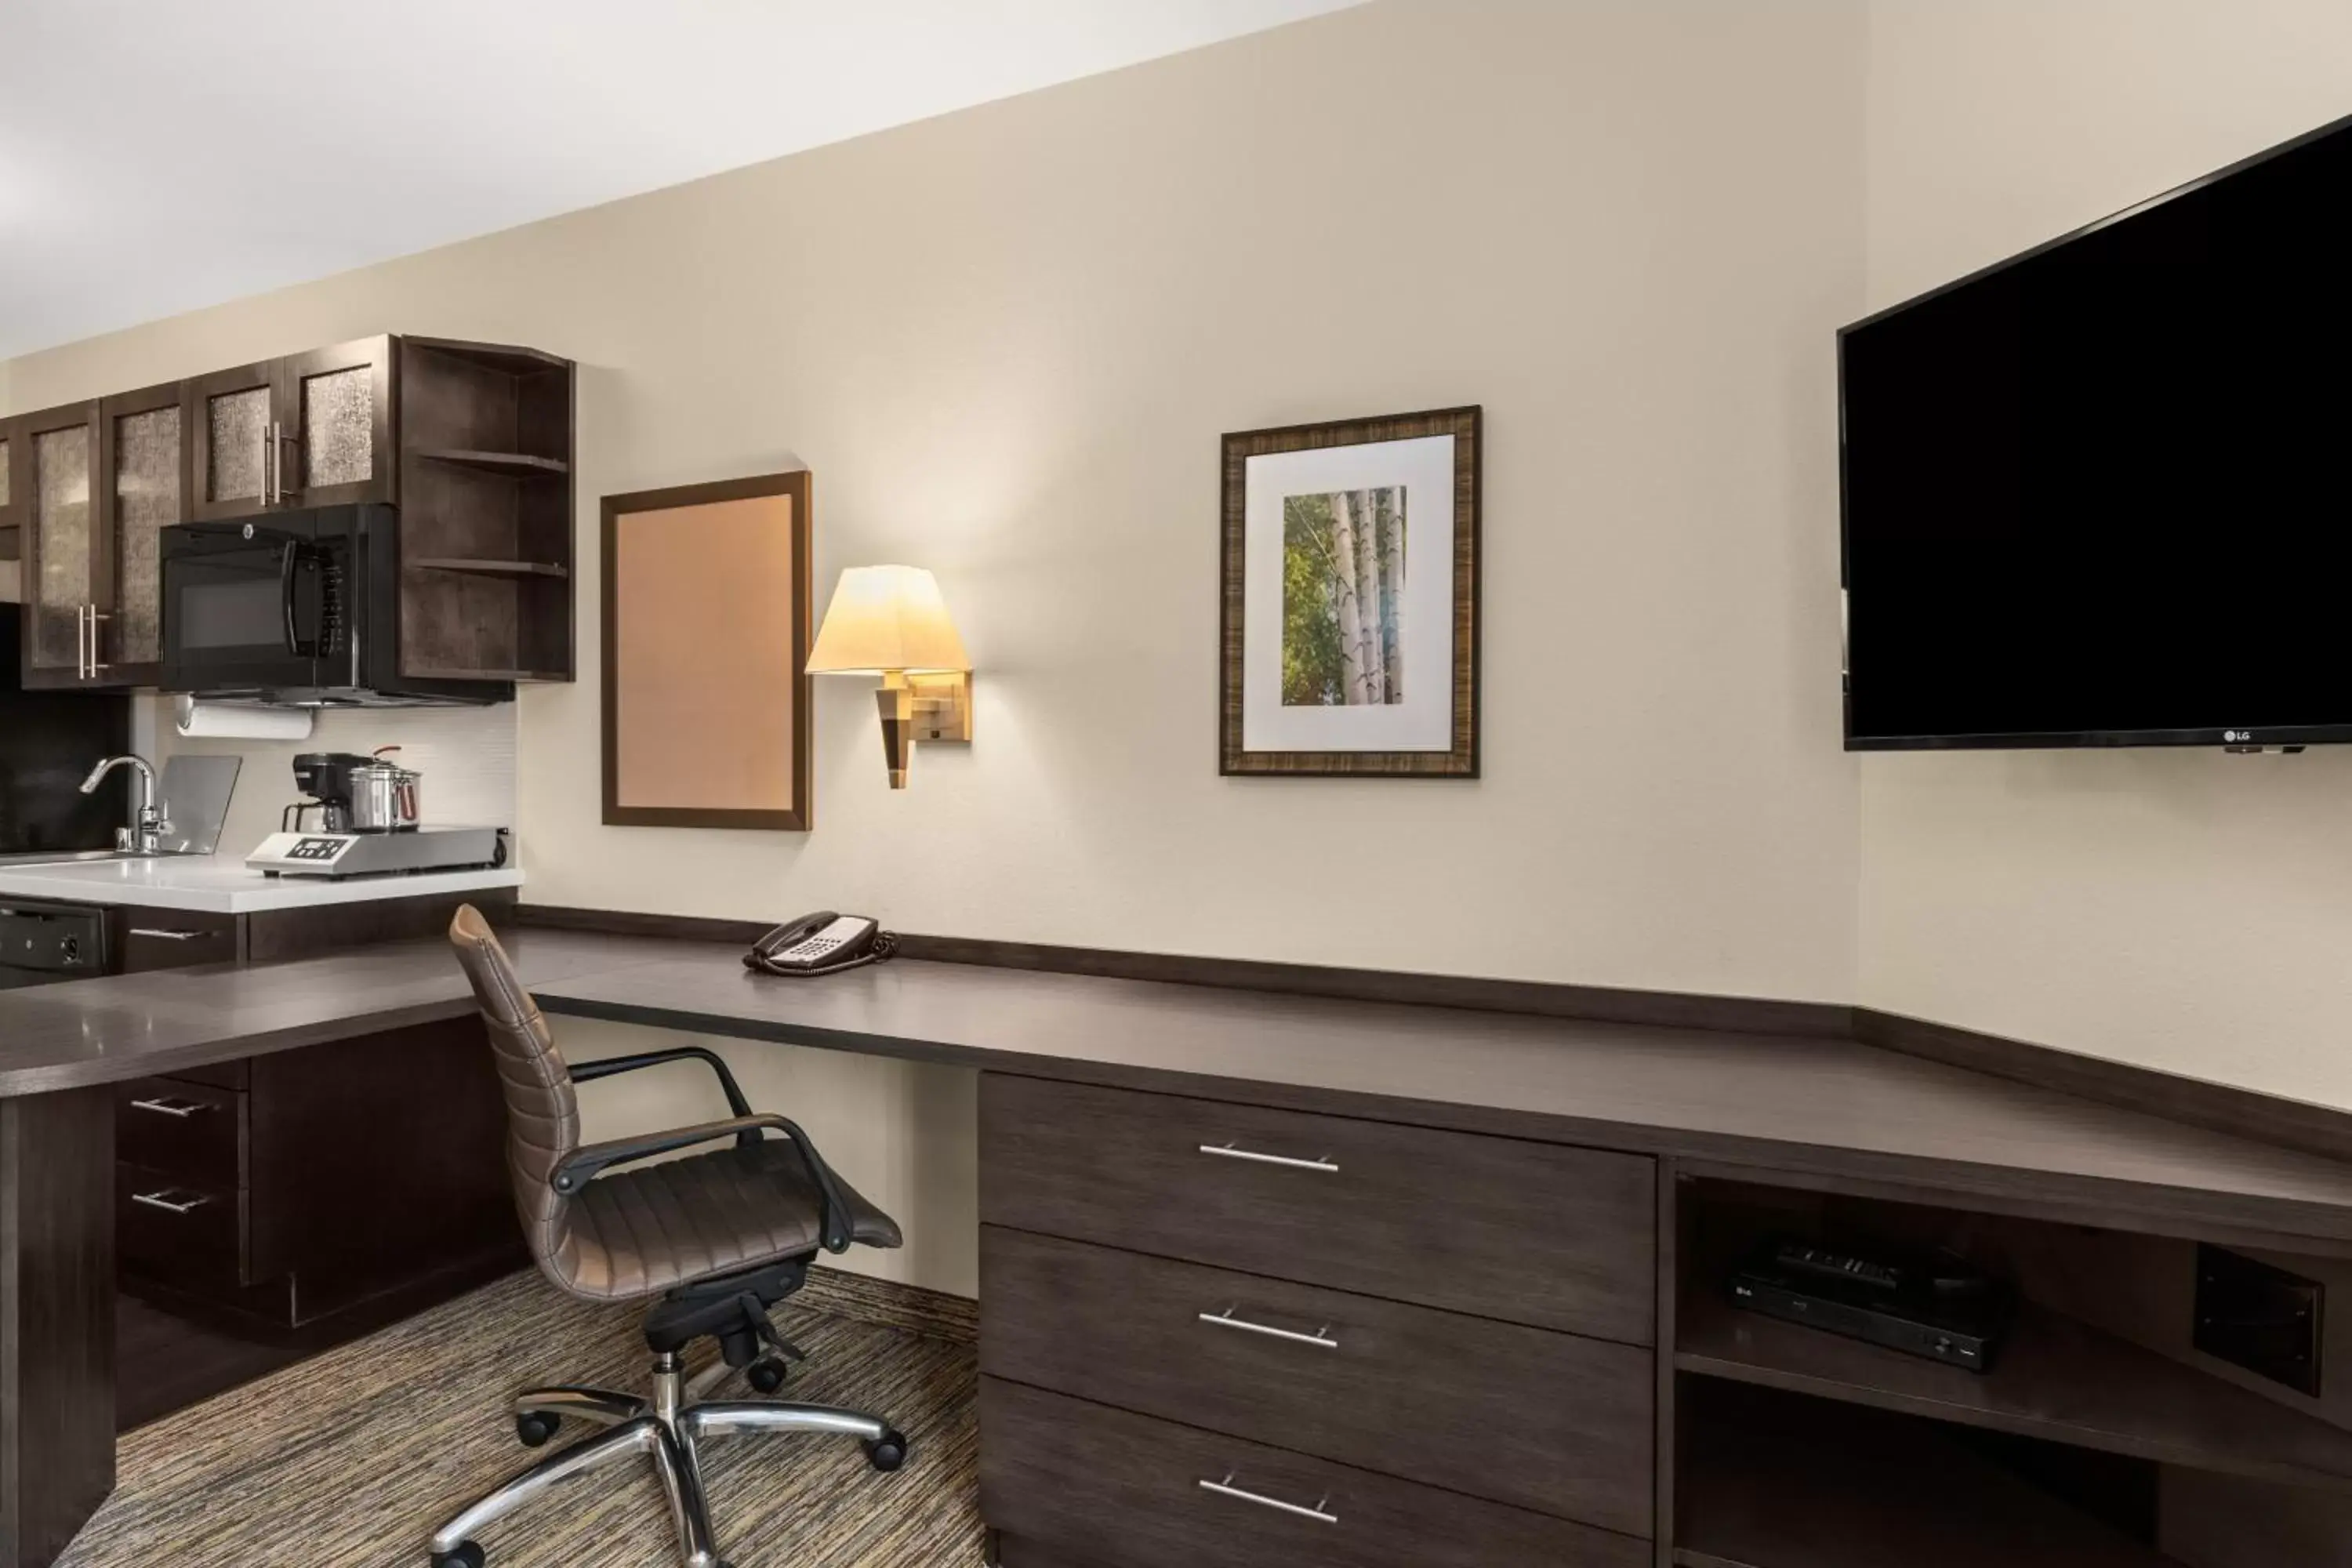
(885, 618)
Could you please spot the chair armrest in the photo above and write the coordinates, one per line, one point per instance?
(588, 1072)
(577, 1169)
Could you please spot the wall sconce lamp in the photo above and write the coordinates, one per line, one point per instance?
(890, 621)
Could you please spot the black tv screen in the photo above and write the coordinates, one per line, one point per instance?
(2101, 494)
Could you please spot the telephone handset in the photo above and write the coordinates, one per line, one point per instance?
(820, 943)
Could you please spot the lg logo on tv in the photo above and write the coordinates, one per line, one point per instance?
(2237, 735)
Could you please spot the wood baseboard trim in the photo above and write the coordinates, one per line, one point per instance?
(1597, 1004)
(628, 922)
(2243, 1113)
(2217, 1108)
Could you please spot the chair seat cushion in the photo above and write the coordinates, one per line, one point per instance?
(641, 1231)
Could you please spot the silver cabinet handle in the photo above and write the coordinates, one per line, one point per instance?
(160, 932)
(1227, 1489)
(278, 441)
(183, 1109)
(1225, 1319)
(85, 641)
(264, 433)
(1227, 1151)
(162, 1200)
(96, 616)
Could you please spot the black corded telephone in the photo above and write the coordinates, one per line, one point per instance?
(820, 943)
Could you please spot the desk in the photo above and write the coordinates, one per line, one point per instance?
(1822, 1115)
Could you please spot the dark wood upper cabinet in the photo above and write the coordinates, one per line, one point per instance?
(473, 442)
(98, 483)
(485, 511)
(12, 536)
(143, 489)
(53, 457)
(231, 415)
(310, 429)
(334, 425)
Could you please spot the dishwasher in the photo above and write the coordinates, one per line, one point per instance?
(43, 943)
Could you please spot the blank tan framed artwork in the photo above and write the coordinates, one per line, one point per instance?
(706, 619)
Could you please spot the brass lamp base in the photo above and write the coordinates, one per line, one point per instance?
(898, 705)
(921, 707)
(942, 705)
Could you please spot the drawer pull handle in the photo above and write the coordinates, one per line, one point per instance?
(1225, 1319)
(183, 1109)
(165, 935)
(163, 1201)
(1227, 1489)
(1227, 1151)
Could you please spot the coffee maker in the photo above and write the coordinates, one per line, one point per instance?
(325, 778)
(367, 824)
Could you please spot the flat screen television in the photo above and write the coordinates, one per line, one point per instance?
(2100, 494)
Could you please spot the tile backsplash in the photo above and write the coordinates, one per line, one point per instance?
(467, 755)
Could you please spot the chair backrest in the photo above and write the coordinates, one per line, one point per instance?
(543, 1115)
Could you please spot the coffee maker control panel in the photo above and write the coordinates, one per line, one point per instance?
(313, 852)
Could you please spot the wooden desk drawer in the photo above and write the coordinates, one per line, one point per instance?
(1530, 1233)
(1073, 1483)
(178, 1232)
(188, 1131)
(1520, 1415)
(148, 939)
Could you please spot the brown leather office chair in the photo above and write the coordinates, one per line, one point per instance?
(719, 1237)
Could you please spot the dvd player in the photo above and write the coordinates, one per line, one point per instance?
(1941, 1308)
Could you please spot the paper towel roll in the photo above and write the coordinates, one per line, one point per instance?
(232, 722)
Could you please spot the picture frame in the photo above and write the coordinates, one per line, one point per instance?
(706, 624)
(1349, 626)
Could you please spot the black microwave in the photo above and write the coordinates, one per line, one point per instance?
(298, 607)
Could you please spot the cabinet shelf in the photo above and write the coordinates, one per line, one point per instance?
(2055, 1379)
(490, 568)
(511, 465)
(1841, 1487)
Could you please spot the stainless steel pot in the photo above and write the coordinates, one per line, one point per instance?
(384, 797)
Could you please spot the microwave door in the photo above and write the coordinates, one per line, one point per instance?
(241, 614)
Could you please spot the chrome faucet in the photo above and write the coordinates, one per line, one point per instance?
(147, 837)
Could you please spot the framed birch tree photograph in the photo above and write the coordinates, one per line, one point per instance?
(1350, 609)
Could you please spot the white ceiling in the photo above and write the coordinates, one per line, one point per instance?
(159, 155)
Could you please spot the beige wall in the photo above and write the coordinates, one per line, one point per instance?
(1006, 341)
(2186, 911)
(467, 755)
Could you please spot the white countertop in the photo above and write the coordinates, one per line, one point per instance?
(221, 885)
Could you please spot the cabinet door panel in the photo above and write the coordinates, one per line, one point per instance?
(233, 411)
(145, 462)
(337, 404)
(12, 533)
(63, 548)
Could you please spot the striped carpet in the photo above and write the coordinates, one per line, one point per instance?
(351, 1459)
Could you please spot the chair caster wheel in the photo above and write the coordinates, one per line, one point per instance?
(767, 1374)
(888, 1452)
(535, 1427)
(467, 1555)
